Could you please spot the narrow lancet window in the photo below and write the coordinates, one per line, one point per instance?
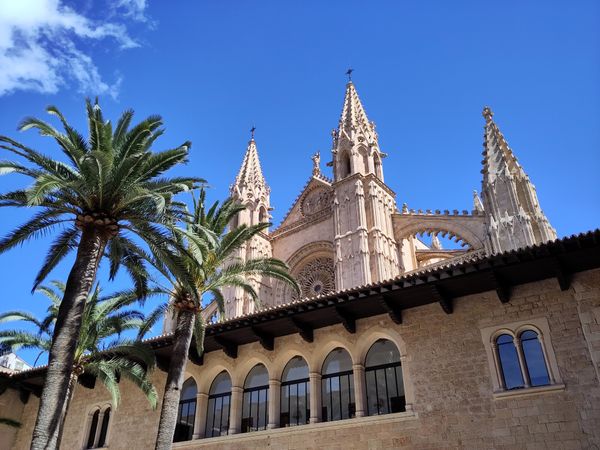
(534, 359)
(509, 362)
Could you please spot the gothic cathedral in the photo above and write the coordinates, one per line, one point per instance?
(346, 232)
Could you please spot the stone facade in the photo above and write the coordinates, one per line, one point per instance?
(451, 400)
(352, 224)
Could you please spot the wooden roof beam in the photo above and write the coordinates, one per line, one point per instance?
(229, 348)
(266, 340)
(347, 319)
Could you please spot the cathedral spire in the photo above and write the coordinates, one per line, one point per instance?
(250, 177)
(510, 202)
(355, 142)
(354, 117)
(498, 156)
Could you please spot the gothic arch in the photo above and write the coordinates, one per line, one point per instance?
(468, 229)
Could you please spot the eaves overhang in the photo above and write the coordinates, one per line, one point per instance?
(469, 274)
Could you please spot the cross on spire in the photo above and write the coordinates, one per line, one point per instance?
(252, 130)
(349, 73)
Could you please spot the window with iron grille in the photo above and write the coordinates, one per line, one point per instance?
(184, 429)
(383, 379)
(255, 411)
(219, 406)
(295, 394)
(337, 386)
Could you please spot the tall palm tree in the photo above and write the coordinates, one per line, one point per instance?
(108, 189)
(210, 264)
(101, 352)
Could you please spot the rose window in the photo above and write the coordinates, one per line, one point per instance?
(316, 277)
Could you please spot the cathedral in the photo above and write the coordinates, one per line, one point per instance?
(414, 329)
(347, 231)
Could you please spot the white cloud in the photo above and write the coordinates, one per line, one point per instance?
(132, 8)
(39, 51)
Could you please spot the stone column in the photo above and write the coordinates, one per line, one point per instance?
(524, 373)
(200, 419)
(235, 415)
(315, 397)
(274, 403)
(360, 394)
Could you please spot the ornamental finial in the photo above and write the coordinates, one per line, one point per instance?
(487, 114)
(252, 130)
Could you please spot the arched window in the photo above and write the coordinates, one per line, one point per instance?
(377, 163)
(345, 165)
(337, 386)
(98, 429)
(262, 215)
(256, 397)
(534, 359)
(93, 428)
(509, 362)
(295, 393)
(104, 428)
(383, 379)
(219, 401)
(184, 430)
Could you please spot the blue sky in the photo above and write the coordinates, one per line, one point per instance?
(424, 71)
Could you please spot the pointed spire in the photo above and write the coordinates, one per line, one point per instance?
(250, 176)
(354, 117)
(510, 202)
(477, 205)
(499, 159)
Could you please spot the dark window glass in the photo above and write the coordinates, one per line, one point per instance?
(93, 427)
(509, 362)
(255, 400)
(337, 386)
(383, 379)
(184, 429)
(295, 393)
(104, 428)
(534, 359)
(219, 401)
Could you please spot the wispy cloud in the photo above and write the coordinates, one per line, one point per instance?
(40, 46)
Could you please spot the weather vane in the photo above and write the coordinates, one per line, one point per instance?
(252, 130)
(349, 73)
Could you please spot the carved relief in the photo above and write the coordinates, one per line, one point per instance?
(315, 201)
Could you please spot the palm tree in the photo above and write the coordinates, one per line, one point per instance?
(109, 189)
(210, 264)
(101, 352)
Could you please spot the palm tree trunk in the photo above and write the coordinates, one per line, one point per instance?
(57, 437)
(64, 341)
(170, 403)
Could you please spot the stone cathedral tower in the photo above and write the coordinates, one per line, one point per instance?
(365, 249)
(251, 190)
(346, 231)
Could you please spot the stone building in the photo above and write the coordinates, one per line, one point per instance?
(394, 342)
(347, 231)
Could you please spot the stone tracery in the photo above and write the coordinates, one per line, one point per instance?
(316, 277)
